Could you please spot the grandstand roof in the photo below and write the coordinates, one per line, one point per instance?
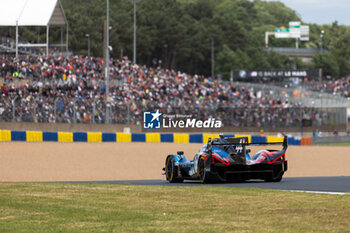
(32, 13)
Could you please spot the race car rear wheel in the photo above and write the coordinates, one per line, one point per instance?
(273, 177)
(171, 171)
(202, 173)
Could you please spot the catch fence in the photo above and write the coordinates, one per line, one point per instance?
(298, 94)
(93, 111)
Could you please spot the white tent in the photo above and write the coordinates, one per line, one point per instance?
(33, 13)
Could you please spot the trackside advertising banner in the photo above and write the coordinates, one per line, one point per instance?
(256, 74)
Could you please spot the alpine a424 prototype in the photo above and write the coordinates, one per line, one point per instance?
(227, 159)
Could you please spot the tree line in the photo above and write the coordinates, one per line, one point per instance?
(177, 34)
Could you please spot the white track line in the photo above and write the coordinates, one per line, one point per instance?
(318, 192)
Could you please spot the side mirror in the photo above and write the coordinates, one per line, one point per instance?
(209, 146)
(285, 142)
(209, 141)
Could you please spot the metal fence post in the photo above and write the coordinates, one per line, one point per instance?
(34, 110)
(13, 109)
(55, 108)
(128, 108)
(301, 120)
(74, 112)
(110, 114)
(93, 111)
(106, 114)
(232, 116)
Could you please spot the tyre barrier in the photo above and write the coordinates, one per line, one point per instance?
(37, 136)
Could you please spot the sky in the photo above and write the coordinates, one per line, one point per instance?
(321, 11)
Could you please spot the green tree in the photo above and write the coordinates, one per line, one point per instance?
(327, 63)
(179, 32)
(228, 60)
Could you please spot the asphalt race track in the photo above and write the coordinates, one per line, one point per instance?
(313, 184)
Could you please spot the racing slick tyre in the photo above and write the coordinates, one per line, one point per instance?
(202, 173)
(171, 171)
(274, 178)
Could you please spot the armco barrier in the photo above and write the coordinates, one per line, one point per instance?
(169, 137)
(123, 137)
(291, 141)
(65, 137)
(18, 136)
(37, 136)
(196, 138)
(273, 139)
(138, 137)
(50, 136)
(5, 135)
(34, 136)
(152, 137)
(94, 137)
(181, 138)
(80, 137)
(258, 139)
(109, 137)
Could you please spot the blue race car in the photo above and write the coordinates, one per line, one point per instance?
(227, 159)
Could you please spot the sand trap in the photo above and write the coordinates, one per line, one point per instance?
(53, 161)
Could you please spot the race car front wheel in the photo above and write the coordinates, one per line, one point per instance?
(171, 171)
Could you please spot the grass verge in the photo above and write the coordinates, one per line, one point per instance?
(64, 207)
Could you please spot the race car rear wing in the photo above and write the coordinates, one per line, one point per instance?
(243, 141)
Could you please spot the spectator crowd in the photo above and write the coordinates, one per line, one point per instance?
(340, 87)
(73, 89)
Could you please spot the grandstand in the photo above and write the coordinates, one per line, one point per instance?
(72, 90)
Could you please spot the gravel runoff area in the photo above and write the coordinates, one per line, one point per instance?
(54, 161)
